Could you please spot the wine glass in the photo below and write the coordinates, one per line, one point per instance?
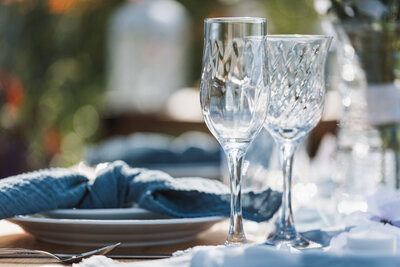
(233, 96)
(297, 92)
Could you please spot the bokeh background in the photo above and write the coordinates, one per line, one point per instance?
(76, 72)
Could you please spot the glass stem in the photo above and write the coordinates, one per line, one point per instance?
(235, 159)
(286, 227)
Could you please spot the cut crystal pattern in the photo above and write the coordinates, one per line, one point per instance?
(297, 87)
(234, 90)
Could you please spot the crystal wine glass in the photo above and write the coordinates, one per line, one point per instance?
(297, 93)
(233, 96)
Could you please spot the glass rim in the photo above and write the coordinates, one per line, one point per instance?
(299, 36)
(236, 20)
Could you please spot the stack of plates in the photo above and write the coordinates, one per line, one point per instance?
(98, 227)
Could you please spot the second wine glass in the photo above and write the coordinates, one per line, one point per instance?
(296, 73)
(233, 96)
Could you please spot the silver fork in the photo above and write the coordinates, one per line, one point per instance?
(21, 252)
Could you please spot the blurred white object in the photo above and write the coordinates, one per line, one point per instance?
(365, 240)
(359, 155)
(147, 48)
(348, 205)
(184, 105)
(368, 237)
(352, 86)
(333, 106)
(371, 241)
(322, 6)
(358, 168)
(344, 178)
(376, 229)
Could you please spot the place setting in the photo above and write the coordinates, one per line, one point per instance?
(249, 80)
(95, 222)
(207, 191)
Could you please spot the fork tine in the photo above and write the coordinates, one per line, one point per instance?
(100, 251)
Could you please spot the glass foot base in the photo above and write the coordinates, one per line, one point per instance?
(236, 240)
(297, 242)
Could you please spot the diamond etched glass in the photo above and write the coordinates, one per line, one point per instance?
(233, 96)
(297, 84)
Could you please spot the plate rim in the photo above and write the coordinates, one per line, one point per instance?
(94, 211)
(102, 209)
(30, 218)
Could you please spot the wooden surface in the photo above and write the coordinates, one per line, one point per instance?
(12, 236)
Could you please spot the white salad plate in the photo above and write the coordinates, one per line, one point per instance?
(97, 227)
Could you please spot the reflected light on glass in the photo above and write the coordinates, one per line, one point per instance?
(349, 51)
(346, 101)
(360, 149)
(348, 72)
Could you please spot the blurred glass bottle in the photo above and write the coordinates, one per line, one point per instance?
(377, 53)
(148, 44)
(358, 155)
(369, 32)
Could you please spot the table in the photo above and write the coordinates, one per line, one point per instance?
(12, 236)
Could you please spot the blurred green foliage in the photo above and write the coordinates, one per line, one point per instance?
(58, 55)
(288, 16)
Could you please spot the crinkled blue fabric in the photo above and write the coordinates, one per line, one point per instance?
(118, 184)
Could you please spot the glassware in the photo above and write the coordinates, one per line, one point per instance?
(233, 96)
(297, 92)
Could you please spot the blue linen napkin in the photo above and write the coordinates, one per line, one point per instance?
(118, 184)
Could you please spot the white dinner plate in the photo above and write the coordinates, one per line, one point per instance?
(100, 231)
